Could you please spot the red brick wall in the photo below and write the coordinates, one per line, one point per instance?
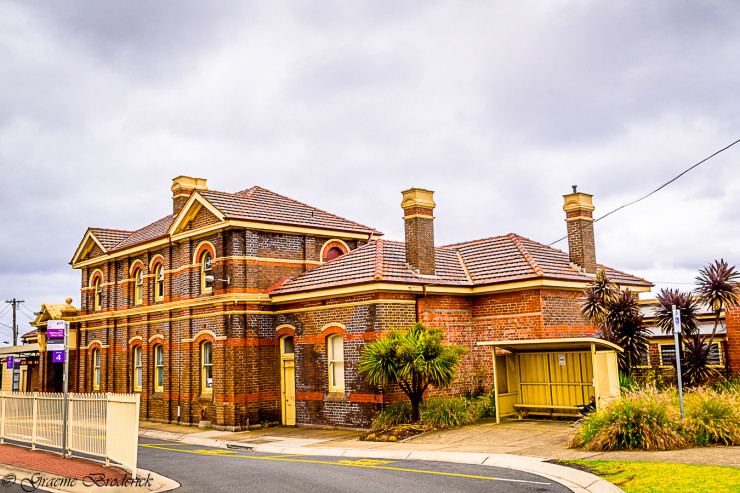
(732, 319)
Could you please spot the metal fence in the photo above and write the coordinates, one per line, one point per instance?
(103, 425)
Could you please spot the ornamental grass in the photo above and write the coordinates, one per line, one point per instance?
(641, 420)
(712, 418)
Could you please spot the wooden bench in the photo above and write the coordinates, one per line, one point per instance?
(524, 409)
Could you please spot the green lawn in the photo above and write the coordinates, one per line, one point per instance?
(660, 477)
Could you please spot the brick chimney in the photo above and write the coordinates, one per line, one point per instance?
(579, 216)
(418, 206)
(182, 187)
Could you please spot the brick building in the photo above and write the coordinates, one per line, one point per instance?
(243, 307)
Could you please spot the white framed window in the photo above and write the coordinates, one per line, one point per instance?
(715, 356)
(159, 282)
(138, 369)
(139, 287)
(98, 295)
(206, 269)
(335, 350)
(158, 368)
(206, 366)
(667, 355)
(96, 369)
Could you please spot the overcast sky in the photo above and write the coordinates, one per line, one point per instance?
(499, 107)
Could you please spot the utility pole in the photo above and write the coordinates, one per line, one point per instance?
(15, 304)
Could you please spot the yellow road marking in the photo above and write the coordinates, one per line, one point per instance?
(350, 464)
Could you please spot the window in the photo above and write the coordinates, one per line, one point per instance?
(333, 253)
(668, 354)
(158, 282)
(96, 369)
(206, 366)
(206, 269)
(158, 368)
(287, 346)
(98, 286)
(714, 355)
(336, 363)
(137, 369)
(644, 358)
(139, 288)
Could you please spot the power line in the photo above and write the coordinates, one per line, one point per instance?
(649, 194)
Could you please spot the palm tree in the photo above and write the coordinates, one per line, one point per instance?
(617, 314)
(718, 287)
(685, 303)
(695, 361)
(413, 359)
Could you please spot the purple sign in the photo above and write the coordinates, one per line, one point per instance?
(55, 333)
(57, 356)
(9, 362)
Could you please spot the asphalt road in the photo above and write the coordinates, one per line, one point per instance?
(202, 469)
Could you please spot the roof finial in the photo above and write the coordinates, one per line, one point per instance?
(574, 188)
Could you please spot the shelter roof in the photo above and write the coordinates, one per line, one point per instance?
(550, 345)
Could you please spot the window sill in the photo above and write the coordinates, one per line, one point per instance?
(335, 396)
(206, 397)
(157, 395)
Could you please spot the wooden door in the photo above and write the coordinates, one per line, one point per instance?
(287, 380)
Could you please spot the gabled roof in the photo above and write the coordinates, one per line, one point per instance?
(261, 205)
(495, 260)
(109, 238)
(152, 231)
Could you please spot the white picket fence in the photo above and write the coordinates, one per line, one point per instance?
(103, 425)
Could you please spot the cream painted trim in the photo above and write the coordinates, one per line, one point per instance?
(323, 247)
(144, 247)
(89, 345)
(333, 324)
(423, 216)
(155, 336)
(282, 326)
(279, 228)
(92, 278)
(175, 306)
(205, 331)
(199, 252)
(83, 248)
(579, 218)
(134, 339)
(270, 259)
(132, 268)
(186, 214)
(221, 338)
(154, 260)
(341, 305)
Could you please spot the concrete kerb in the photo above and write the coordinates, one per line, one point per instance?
(159, 483)
(575, 480)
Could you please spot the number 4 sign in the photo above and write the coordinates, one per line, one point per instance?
(57, 357)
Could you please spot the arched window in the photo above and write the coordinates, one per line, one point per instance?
(333, 253)
(139, 287)
(158, 368)
(96, 369)
(206, 269)
(159, 282)
(98, 294)
(138, 377)
(335, 350)
(206, 366)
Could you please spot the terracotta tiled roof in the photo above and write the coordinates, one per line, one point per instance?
(109, 237)
(261, 205)
(31, 334)
(150, 232)
(493, 260)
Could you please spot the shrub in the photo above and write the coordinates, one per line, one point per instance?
(729, 385)
(447, 413)
(484, 406)
(712, 418)
(641, 420)
(394, 414)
